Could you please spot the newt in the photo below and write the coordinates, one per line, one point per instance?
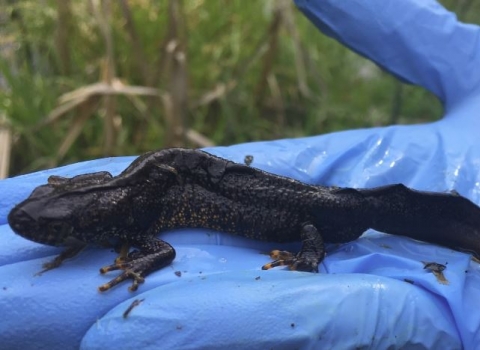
(179, 188)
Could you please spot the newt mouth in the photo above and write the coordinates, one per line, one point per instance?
(19, 220)
(23, 224)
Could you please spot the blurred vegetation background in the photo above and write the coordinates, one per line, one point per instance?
(94, 78)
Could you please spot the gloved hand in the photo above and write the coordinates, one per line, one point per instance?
(371, 293)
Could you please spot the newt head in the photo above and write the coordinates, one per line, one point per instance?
(35, 221)
(62, 211)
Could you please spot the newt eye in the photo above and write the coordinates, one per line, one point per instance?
(58, 228)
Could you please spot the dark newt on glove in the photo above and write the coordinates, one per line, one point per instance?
(176, 188)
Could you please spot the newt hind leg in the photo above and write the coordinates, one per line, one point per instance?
(307, 259)
(153, 255)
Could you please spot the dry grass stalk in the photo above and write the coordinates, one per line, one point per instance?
(137, 51)
(102, 13)
(219, 91)
(85, 102)
(62, 35)
(199, 139)
(299, 54)
(277, 101)
(271, 53)
(85, 111)
(70, 100)
(5, 147)
(177, 86)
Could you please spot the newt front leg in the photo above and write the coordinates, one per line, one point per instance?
(68, 253)
(153, 254)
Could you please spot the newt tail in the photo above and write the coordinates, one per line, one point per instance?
(447, 219)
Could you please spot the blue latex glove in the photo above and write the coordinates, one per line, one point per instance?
(222, 299)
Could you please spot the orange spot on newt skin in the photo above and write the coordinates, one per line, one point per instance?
(267, 266)
(275, 254)
(281, 254)
(104, 287)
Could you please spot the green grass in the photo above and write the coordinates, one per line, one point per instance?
(224, 42)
